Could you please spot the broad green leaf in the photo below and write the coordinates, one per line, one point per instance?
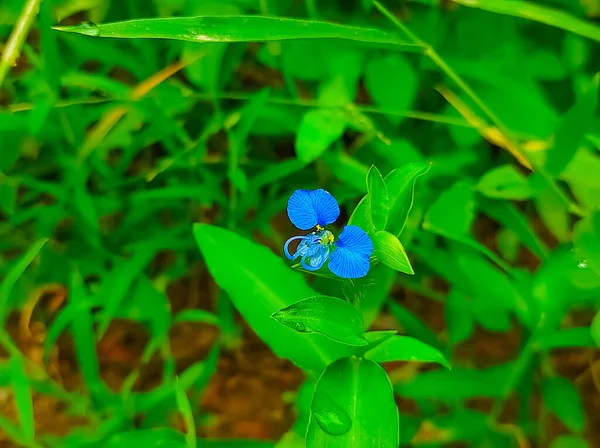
(389, 250)
(595, 329)
(552, 209)
(568, 337)
(453, 212)
(586, 238)
(571, 130)
(331, 317)
(353, 407)
(392, 83)
(238, 29)
(259, 283)
(361, 216)
(455, 384)
(23, 398)
(15, 272)
(510, 217)
(569, 442)
(504, 182)
(378, 198)
(537, 13)
(561, 396)
(404, 348)
(401, 187)
(318, 129)
(459, 317)
(8, 196)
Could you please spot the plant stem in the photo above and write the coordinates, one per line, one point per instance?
(15, 42)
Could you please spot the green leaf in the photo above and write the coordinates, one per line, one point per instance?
(536, 13)
(459, 317)
(389, 250)
(401, 187)
(586, 239)
(561, 397)
(378, 198)
(260, 283)
(510, 217)
(185, 409)
(23, 398)
(404, 348)
(453, 212)
(198, 316)
(8, 196)
(15, 273)
(83, 336)
(331, 317)
(571, 130)
(456, 384)
(117, 284)
(353, 407)
(579, 337)
(392, 84)
(504, 182)
(238, 29)
(569, 442)
(413, 325)
(595, 329)
(318, 129)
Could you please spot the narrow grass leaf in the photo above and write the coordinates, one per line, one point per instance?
(23, 398)
(238, 29)
(329, 316)
(537, 13)
(15, 273)
(185, 409)
(197, 316)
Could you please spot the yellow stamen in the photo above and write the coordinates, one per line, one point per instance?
(319, 228)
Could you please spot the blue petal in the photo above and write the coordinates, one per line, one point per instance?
(351, 256)
(317, 260)
(307, 208)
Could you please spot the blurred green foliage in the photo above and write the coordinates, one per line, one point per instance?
(480, 117)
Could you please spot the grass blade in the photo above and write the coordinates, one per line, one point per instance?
(23, 398)
(16, 271)
(536, 13)
(238, 29)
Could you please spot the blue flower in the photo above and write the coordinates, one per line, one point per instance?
(348, 256)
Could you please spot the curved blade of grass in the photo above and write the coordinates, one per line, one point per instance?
(15, 272)
(536, 13)
(23, 399)
(238, 29)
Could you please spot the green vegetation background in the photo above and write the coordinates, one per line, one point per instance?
(112, 147)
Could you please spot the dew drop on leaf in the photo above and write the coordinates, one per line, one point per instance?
(330, 416)
(89, 28)
(583, 264)
(300, 327)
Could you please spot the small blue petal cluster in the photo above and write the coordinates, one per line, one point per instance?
(348, 256)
